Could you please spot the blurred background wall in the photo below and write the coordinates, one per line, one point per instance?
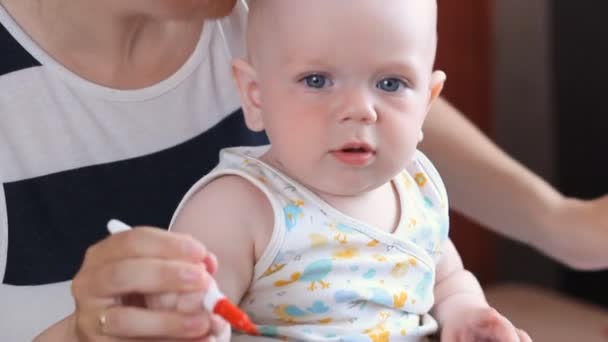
(531, 75)
(524, 119)
(549, 112)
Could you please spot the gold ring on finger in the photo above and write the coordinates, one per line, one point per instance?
(102, 320)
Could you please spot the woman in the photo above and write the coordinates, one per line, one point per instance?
(104, 109)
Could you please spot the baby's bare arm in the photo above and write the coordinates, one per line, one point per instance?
(455, 287)
(461, 307)
(234, 220)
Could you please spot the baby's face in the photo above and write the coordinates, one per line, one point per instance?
(342, 87)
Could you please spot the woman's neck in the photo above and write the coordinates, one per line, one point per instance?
(118, 50)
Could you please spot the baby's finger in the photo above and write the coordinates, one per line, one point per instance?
(493, 333)
(495, 327)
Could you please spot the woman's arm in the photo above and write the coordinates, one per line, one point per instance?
(492, 188)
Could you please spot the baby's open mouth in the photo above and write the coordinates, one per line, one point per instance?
(355, 150)
(356, 154)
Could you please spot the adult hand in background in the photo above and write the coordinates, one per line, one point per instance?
(490, 187)
(577, 233)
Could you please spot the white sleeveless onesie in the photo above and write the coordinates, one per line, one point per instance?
(328, 277)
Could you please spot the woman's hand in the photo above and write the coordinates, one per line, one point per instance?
(576, 233)
(124, 272)
(481, 324)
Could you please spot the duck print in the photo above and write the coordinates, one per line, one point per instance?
(293, 212)
(420, 179)
(346, 254)
(342, 231)
(272, 269)
(379, 332)
(401, 268)
(400, 299)
(373, 243)
(291, 313)
(314, 274)
(318, 240)
(380, 257)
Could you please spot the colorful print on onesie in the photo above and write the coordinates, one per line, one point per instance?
(328, 277)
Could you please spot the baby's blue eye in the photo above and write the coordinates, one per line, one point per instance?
(316, 81)
(390, 84)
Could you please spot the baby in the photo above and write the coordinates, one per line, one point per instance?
(338, 231)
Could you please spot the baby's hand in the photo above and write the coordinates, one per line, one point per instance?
(482, 324)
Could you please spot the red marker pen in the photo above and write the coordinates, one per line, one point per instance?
(213, 301)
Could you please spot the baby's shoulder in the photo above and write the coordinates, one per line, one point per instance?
(234, 199)
(225, 210)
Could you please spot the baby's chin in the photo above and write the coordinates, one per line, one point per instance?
(333, 184)
(339, 188)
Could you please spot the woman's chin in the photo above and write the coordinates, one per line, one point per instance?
(183, 9)
(217, 8)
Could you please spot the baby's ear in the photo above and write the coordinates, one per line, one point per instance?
(246, 80)
(437, 81)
